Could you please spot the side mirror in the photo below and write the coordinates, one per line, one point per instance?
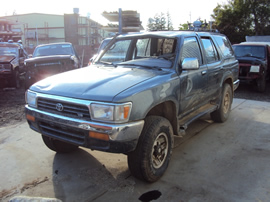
(190, 63)
(30, 55)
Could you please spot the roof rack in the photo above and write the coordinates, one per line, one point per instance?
(198, 26)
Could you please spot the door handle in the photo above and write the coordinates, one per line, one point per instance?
(204, 72)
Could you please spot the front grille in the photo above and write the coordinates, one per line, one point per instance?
(68, 109)
(5, 66)
(244, 70)
(66, 133)
(47, 64)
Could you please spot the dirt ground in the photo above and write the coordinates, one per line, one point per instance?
(12, 102)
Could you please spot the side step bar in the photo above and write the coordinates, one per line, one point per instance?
(184, 122)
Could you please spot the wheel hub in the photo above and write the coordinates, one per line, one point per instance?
(160, 150)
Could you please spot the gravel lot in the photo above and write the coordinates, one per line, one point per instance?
(12, 102)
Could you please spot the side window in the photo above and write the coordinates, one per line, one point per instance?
(210, 50)
(225, 46)
(143, 47)
(191, 49)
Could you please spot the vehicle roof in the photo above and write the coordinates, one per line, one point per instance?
(255, 43)
(170, 33)
(7, 44)
(60, 43)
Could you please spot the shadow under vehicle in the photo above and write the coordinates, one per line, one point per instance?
(50, 59)
(12, 56)
(254, 63)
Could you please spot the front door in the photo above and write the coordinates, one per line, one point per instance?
(193, 83)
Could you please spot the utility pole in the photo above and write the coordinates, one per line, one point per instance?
(120, 21)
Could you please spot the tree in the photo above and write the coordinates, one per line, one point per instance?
(260, 15)
(169, 22)
(240, 18)
(190, 26)
(159, 22)
(184, 26)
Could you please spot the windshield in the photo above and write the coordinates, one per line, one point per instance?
(249, 51)
(134, 51)
(11, 51)
(54, 49)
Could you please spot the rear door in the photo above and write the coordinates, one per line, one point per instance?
(214, 66)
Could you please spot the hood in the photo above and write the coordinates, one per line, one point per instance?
(6, 58)
(250, 60)
(93, 82)
(47, 58)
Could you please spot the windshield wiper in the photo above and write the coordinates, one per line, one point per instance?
(144, 66)
(166, 57)
(106, 63)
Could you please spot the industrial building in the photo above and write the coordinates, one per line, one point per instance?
(84, 33)
(37, 28)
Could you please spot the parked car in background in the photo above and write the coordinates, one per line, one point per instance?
(50, 59)
(254, 63)
(12, 56)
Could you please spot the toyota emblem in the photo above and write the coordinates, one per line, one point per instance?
(59, 107)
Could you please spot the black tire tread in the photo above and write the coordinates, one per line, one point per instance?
(218, 115)
(137, 160)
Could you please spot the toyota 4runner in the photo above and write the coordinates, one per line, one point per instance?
(141, 91)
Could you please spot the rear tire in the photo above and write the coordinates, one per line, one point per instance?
(58, 146)
(261, 83)
(16, 79)
(222, 113)
(150, 159)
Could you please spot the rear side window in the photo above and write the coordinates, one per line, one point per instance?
(191, 49)
(210, 50)
(225, 46)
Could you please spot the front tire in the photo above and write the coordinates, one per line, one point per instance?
(222, 113)
(58, 146)
(150, 159)
(261, 83)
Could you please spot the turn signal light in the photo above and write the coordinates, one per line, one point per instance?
(100, 136)
(30, 118)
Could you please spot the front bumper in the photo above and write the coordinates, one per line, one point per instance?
(122, 138)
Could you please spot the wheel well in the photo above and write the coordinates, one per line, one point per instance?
(230, 82)
(167, 110)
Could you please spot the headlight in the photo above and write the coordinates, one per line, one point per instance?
(31, 98)
(111, 113)
(255, 68)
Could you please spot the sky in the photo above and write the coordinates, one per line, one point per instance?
(180, 11)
